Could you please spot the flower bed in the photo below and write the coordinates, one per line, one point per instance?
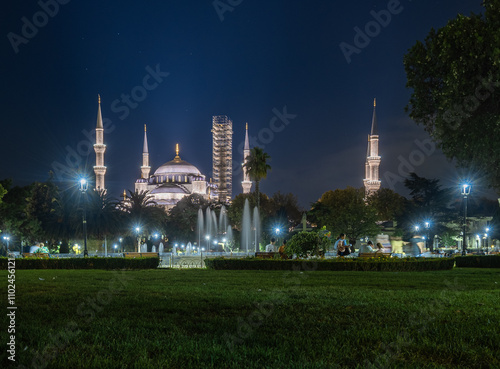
(83, 263)
(338, 264)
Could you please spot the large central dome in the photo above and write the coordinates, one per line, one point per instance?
(177, 166)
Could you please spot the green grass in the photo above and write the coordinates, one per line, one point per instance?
(256, 319)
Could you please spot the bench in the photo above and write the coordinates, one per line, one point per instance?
(133, 255)
(266, 255)
(41, 255)
(374, 255)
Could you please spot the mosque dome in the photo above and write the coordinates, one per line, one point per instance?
(177, 166)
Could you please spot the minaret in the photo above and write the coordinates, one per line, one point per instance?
(145, 169)
(372, 181)
(246, 184)
(99, 148)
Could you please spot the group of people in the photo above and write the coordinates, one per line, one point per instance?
(344, 248)
(271, 247)
(341, 246)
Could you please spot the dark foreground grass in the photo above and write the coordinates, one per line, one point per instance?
(255, 319)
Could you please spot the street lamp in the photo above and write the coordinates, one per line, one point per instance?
(487, 230)
(427, 227)
(7, 238)
(417, 228)
(138, 230)
(121, 246)
(84, 185)
(465, 190)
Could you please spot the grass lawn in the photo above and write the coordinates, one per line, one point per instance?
(255, 319)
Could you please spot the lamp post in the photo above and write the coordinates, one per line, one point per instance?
(84, 185)
(487, 230)
(427, 227)
(121, 246)
(207, 237)
(7, 238)
(277, 230)
(138, 230)
(465, 192)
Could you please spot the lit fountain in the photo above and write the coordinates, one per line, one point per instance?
(256, 228)
(246, 224)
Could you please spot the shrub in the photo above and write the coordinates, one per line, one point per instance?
(338, 264)
(306, 243)
(478, 261)
(83, 263)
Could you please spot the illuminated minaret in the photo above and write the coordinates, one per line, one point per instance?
(372, 181)
(145, 169)
(246, 184)
(99, 148)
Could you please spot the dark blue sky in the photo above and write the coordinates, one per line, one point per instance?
(261, 57)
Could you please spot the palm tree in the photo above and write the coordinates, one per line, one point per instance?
(103, 215)
(141, 209)
(257, 168)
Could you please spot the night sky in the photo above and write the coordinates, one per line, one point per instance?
(248, 62)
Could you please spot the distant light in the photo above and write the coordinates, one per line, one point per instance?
(137, 229)
(223, 240)
(207, 237)
(115, 246)
(155, 235)
(277, 230)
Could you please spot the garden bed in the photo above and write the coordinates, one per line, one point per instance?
(338, 264)
(83, 263)
(478, 261)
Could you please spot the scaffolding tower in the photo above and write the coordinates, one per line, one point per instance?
(222, 157)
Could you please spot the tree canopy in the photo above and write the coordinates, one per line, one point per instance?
(345, 211)
(455, 77)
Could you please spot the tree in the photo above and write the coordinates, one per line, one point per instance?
(455, 76)
(345, 211)
(64, 220)
(286, 209)
(13, 217)
(429, 202)
(103, 215)
(257, 168)
(142, 210)
(182, 219)
(3, 191)
(235, 210)
(388, 204)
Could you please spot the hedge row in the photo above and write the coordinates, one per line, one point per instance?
(484, 261)
(338, 264)
(83, 263)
